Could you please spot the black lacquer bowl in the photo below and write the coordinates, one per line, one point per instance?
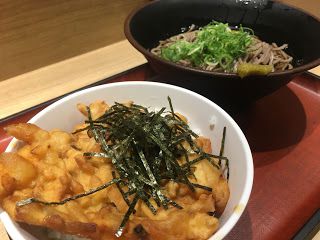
(271, 22)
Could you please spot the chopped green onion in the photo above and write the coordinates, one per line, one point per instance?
(215, 44)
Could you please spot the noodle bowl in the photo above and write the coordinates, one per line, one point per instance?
(273, 22)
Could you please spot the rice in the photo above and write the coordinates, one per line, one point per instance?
(55, 235)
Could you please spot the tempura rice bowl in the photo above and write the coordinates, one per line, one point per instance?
(204, 116)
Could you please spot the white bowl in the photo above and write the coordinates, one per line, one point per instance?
(200, 112)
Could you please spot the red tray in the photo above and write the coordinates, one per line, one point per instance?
(283, 131)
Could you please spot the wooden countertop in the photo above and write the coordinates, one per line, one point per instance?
(38, 86)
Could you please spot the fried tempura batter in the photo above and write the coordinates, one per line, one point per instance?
(51, 167)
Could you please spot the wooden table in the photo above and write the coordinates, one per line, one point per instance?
(283, 131)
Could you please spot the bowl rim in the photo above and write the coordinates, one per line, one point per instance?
(148, 54)
(245, 195)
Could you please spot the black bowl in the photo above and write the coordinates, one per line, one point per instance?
(271, 21)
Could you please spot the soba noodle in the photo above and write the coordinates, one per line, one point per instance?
(258, 52)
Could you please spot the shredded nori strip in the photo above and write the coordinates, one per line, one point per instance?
(74, 197)
(126, 216)
(226, 167)
(144, 147)
(222, 144)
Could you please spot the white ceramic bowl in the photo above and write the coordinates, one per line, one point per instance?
(200, 112)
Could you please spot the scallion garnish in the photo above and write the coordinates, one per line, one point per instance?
(215, 44)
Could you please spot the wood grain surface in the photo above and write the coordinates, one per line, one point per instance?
(311, 6)
(41, 85)
(37, 33)
(315, 71)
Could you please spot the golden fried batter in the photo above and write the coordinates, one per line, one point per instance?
(51, 167)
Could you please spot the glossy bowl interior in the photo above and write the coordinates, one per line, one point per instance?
(271, 21)
(200, 112)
